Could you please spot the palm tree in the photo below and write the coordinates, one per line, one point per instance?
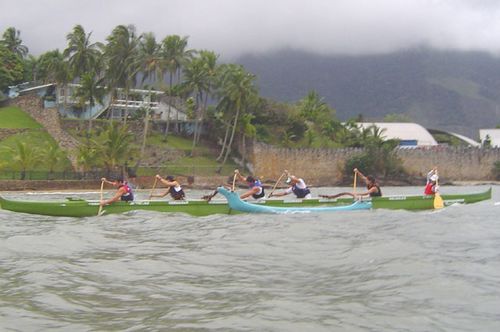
(123, 62)
(151, 69)
(83, 56)
(32, 68)
(59, 72)
(53, 155)
(199, 78)
(174, 56)
(248, 130)
(89, 92)
(11, 39)
(25, 157)
(114, 146)
(313, 107)
(238, 90)
(149, 59)
(87, 155)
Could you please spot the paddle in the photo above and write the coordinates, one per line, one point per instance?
(353, 194)
(208, 198)
(100, 206)
(438, 200)
(234, 180)
(152, 189)
(276, 184)
(337, 195)
(354, 184)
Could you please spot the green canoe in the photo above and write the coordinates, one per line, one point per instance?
(426, 202)
(74, 207)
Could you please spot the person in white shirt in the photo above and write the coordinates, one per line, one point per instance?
(297, 186)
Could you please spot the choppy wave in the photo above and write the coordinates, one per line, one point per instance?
(353, 271)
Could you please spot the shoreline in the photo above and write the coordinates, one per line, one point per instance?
(210, 183)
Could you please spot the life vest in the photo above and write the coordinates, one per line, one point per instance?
(176, 194)
(430, 189)
(260, 193)
(378, 193)
(300, 192)
(129, 195)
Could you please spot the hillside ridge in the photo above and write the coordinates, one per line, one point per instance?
(446, 90)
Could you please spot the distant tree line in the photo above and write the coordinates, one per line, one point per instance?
(223, 98)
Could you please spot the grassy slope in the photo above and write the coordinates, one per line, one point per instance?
(203, 163)
(14, 117)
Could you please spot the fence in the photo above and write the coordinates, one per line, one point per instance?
(176, 170)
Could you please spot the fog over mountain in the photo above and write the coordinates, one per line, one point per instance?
(450, 90)
(235, 27)
(351, 51)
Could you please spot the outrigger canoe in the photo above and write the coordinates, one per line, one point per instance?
(75, 207)
(400, 202)
(235, 203)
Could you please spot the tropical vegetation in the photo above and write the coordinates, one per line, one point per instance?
(221, 101)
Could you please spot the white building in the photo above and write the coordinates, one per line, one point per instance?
(409, 134)
(492, 134)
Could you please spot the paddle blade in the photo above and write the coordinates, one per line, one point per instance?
(438, 201)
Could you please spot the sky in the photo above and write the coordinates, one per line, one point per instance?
(234, 27)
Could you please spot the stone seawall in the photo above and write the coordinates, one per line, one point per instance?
(318, 166)
(455, 164)
(324, 166)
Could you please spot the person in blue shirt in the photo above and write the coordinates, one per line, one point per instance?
(256, 190)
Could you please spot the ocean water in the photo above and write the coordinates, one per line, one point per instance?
(348, 271)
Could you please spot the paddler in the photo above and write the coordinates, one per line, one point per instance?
(297, 186)
(124, 192)
(173, 188)
(256, 189)
(373, 188)
(431, 186)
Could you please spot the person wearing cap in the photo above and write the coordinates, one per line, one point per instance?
(173, 188)
(431, 186)
(124, 192)
(256, 190)
(373, 188)
(297, 186)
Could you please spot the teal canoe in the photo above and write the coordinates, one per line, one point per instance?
(235, 203)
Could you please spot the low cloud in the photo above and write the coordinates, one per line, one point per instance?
(233, 27)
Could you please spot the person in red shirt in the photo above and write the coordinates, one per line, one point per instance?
(431, 187)
(124, 192)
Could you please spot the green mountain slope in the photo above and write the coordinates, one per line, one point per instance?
(455, 91)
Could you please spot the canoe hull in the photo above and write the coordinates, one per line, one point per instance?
(237, 204)
(83, 208)
(426, 202)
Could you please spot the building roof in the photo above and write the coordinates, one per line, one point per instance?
(403, 131)
(466, 139)
(494, 135)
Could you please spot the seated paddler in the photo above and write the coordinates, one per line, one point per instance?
(431, 187)
(256, 189)
(297, 186)
(372, 188)
(173, 188)
(123, 193)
